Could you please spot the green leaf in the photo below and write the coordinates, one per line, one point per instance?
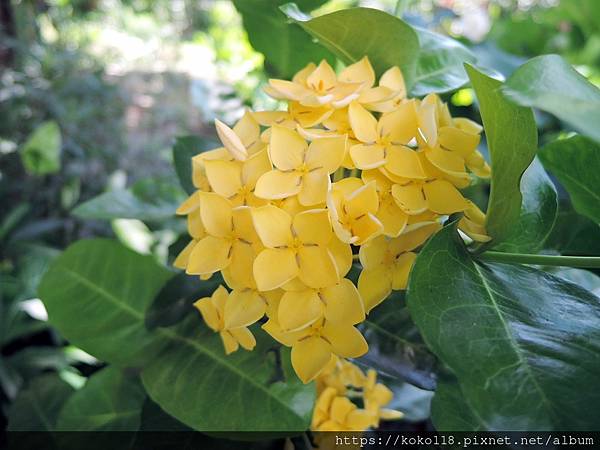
(184, 149)
(538, 212)
(350, 35)
(286, 47)
(395, 345)
(440, 65)
(551, 84)
(574, 234)
(96, 294)
(511, 136)
(194, 381)
(523, 344)
(110, 400)
(449, 409)
(576, 163)
(148, 199)
(41, 152)
(36, 408)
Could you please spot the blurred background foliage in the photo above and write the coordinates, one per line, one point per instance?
(94, 92)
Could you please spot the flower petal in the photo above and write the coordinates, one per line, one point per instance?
(309, 357)
(363, 123)
(444, 198)
(313, 227)
(372, 253)
(274, 267)
(346, 341)
(359, 72)
(315, 185)
(231, 141)
(317, 267)
(393, 79)
(183, 257)
(400, 125)
(229, 342)
(210, 255)
(374, 286)
(276, 184)
(363, 200)
(343, 303)
(240, 267)
(458, 141)
(323, 78)
(367, 156)
(287, 89)
(326, 153)
(342, 255)
(190, 204)
(299, 309)
(216, 214)
(402, 267)
(366, 227)
(273, 226)
(224, 177)
(248, 130)
(308, 117)
(404, 162)
(272, 327)
(427, 121)
(243, 308)
(209, 313)
(393, 219)
(245, 338)
(286, 148)
(410, 198)
(255, 166)
(446, 161)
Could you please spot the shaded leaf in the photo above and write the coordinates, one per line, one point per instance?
(110, 400)
(287, 48)
(538, 212)
(148, 199)
(512, 141)
(41, 152)
(36, 408)
(523, 344)
(449, 409)
(574, 234)
(440, 65)
(195, 382)
(96, 294)
(349, 34)
(551, 84)
(576, 163)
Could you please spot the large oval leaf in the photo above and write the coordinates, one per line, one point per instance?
(523, 344)
(550, 83)
(511, 136)
(538, 212)
(195, 382)
(449, 409)
(353, 33)
(287, 48)
(36, 408)
(576, 163)
(96, 294)
(440, 66)
(110, 401)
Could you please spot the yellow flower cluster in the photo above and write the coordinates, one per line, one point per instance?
(280, 206)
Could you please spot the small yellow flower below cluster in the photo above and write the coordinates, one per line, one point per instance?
(353, 168)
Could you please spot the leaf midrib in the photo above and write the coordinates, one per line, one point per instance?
(511, 339)
(175, 337)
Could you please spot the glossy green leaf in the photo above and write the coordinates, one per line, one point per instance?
(41, 152)
(440, 65)
(511, 136)
(349, 34)
(148, 199)
(184, 149)
(194, 381)
(551, 84)
(523, 344)
(110, 400)
(574, 234)
(449, 409)
(576, 163)
(395, 345)
(538, 212)
(36, 408)
(286, 47)
(96, 294)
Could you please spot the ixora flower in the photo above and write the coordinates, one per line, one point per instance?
(352, 169)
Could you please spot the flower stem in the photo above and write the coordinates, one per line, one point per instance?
(589, 262)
